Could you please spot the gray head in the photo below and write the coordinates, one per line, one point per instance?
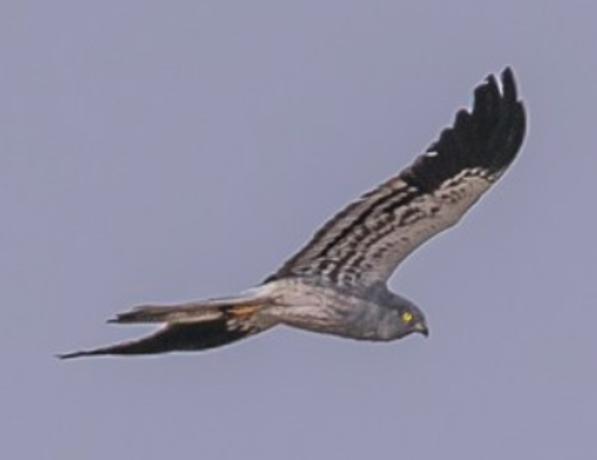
(409, 317)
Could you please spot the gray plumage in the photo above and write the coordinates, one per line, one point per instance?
(336, 284)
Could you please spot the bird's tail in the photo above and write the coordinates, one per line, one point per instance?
(188, 327)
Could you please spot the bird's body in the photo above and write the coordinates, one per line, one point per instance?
(337, 284)
(356, 313)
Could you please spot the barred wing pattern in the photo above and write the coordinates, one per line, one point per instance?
(365, 242)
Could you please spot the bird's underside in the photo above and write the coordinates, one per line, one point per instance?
(337, 283)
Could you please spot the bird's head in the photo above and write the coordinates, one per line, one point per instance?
(409, 318)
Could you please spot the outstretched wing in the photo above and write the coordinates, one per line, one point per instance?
(188, 327)
(365, 242)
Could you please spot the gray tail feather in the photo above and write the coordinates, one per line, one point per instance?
(193, 311)
(162, 313)
(190, 327)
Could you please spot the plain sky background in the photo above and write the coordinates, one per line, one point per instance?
(165, 151)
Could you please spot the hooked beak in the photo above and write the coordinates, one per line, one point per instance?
(421, 328)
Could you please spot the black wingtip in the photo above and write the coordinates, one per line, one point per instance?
(78, 354)
(487, 137)
(508, 73)
(509, 84)
(491, 80)
(62, 356)
(173, 337)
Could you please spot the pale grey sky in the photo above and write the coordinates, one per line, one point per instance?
(164, 151)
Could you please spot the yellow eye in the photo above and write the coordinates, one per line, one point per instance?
(407, 317)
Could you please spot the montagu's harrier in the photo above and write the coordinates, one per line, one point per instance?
(336, 284)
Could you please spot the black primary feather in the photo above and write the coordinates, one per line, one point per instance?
(173, 337)
(488, 138)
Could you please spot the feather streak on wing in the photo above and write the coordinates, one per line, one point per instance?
(364, 243)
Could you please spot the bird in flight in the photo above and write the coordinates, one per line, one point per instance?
(337, 283)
